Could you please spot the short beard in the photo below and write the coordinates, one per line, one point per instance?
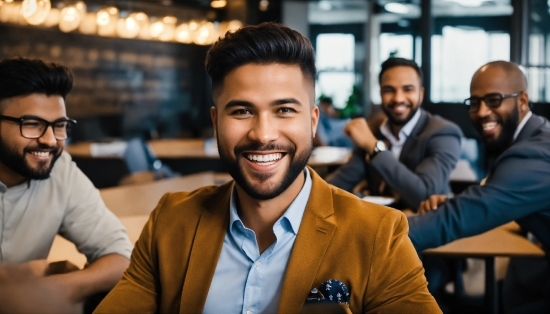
(18, 163)
(506, 137)
(297, 165)
(396, 122)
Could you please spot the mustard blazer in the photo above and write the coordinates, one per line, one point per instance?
(341, 237)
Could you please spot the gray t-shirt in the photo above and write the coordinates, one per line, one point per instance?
(68, 204)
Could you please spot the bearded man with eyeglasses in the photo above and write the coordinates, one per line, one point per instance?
(515, 189)
(43, 193)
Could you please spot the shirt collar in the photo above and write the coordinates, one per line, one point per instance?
(405, 130)
(522, 124)
(294, 212)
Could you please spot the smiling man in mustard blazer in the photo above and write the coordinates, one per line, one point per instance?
(278, 238)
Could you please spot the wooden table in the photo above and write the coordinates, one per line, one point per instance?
(504, 241)
(141, 199)
(195, 148)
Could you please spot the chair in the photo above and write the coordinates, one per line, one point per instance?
(142, 163)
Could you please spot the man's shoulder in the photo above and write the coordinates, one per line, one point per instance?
(209, 198)
(356, 212)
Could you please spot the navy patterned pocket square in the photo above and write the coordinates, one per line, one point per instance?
(331, 290)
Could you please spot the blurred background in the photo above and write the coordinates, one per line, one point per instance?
(138, 65)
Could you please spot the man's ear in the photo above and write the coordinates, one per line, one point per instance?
(314, 119)
(214, 118)
(524, 102)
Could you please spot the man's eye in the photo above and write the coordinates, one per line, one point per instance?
(286, 110)
(60, 125)
(31, 124)
(241, 112)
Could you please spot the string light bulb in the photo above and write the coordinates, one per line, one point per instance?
(35, 11)
(70, 19)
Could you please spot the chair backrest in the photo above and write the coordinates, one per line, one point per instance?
(139, 157)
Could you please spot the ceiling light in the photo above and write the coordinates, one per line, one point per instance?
(397, 8)
(469, 3)
(35, 11)
(325, 5)
(217, 4)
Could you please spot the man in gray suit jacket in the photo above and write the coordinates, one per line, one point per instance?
(422, 151)
(516, 188)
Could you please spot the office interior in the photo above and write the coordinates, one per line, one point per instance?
(134, 82)
(148, 81)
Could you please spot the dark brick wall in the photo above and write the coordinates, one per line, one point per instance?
(141, 87)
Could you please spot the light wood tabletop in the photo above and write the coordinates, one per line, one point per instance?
(197, 148)
(141, 199)
(501, 241)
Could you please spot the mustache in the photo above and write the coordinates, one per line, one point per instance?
(42, 147)
(253, 146)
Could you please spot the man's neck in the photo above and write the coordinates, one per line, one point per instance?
(261, 215)
(395, 129)
(9, 177)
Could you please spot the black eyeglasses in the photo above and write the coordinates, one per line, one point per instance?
(36, 127)
(493, 100)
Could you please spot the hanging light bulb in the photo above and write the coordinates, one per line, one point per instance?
(70, 19)
(35, 11)
(53, 18)
(263, 5)
(106, 21)
(168, 28)
(88, 25)
(81, 7)
(156, 28)
(128, 27)
(143, 21)
(183, 34)
(218, 4)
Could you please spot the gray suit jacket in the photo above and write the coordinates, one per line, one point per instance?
(516, 189)
(428, 156)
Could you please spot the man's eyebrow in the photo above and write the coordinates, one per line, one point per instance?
(284, 101)
(238, 103)
(247, 104)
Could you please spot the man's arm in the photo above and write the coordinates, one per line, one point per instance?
(430, 176)
(396, 282)
(351, 173)
(517, 187)
(138, 291)
(100, 276)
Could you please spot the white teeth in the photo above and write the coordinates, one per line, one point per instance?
(489, 125)
(265, 158)
(41, 154)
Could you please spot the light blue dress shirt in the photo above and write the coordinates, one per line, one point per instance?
(246, 281)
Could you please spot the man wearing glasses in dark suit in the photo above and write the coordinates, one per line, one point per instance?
(43, 193)
(516, 187)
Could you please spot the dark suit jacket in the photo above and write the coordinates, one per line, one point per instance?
(517, 188)
(341, 237)
(428, 156)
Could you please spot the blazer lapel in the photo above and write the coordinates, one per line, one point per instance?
(315, 233)
(205, 252)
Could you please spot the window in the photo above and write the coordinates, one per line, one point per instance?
(335, 65)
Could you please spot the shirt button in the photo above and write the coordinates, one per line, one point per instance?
(258, 264)
(249, 312)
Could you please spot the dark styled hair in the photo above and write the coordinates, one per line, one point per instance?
(265, 43)
(397, 62)
(23, 77)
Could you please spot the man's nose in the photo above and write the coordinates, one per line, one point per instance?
(264, 129)
(48, 138)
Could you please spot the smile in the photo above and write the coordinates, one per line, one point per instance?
(40, 154)
(488, 126)
(268, 158)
